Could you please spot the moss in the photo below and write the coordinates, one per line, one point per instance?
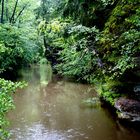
(117, 23)
(119, 41)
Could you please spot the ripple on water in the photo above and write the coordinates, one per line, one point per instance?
(54, 112)
(39, 132)
(36, 132)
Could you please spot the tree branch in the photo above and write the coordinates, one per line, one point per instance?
(21, 11)
(14, 11)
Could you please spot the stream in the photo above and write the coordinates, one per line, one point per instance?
(49, 108)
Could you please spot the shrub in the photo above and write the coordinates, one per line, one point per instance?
(7, 88)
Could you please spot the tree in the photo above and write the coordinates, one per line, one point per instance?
(7, 11)
(2, 11)
(14, 11)
(18, 35)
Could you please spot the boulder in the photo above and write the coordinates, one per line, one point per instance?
(128, 109)
(136, 92)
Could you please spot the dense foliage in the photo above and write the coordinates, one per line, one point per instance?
(97, 41)
(19, 39)
(89, 12)
(79, 57)
(17, 48)
(7, 88)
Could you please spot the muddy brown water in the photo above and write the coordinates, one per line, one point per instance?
(50, 109)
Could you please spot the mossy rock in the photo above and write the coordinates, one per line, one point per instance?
(128, 109)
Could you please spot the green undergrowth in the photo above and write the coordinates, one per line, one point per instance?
(109, 91)
(119, 50)
(7, 88)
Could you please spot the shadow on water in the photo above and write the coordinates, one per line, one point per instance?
(50, 109)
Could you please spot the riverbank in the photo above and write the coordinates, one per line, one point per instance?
(126, 107)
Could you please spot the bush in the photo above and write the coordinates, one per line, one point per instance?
(7, 88)
(17, 47)
(79, 57)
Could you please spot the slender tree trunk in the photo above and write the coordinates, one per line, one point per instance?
(46, 53)
(14, 11)
(2, 11)
(7, 11)
(20, 12)
(44, 10)
(45, 42)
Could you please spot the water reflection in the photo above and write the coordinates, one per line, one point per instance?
(53, 111)
(45, 72)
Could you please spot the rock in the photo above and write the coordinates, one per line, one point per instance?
(137, 92)
(128, 109)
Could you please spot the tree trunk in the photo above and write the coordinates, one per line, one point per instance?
(20, 12)
(14, 11)
(2, 12)
(7, 11)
